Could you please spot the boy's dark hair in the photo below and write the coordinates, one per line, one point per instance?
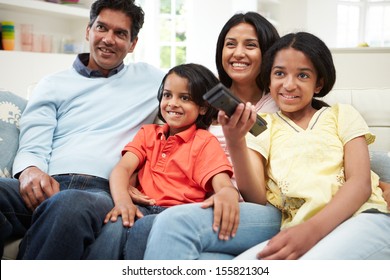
(266, 34)
(134, 12)
(200, 80)
(318, 53)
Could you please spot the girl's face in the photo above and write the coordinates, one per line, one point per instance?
(241, 54)
(294, 83)
(176, 106)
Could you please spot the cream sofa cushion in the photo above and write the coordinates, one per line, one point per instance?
(374, 105)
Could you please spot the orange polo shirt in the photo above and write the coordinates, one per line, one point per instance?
(177, 170)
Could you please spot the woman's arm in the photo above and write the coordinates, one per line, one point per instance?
(247, 164)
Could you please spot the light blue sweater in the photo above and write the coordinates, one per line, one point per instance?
(75, 124)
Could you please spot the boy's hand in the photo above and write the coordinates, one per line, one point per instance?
(226, 211)
(127, 211)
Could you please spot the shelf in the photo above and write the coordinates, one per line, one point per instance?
(379, 50)
(42, 7)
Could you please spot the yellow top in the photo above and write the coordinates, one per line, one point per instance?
(306, 167)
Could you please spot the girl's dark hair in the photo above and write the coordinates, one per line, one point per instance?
(318, 53)
(266, 34)
(200, 80)
(134, 12)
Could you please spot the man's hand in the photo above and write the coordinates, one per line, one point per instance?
(36, 186)
(139, 198)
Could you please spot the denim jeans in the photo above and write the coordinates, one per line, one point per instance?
(15, 217)
(362, 237)
(119, 242)
(63, 225)
(185, 232)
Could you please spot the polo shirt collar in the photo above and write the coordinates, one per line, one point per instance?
(80, 65)
(185, 135)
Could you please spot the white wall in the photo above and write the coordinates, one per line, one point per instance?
(19, 71)
(356, 68)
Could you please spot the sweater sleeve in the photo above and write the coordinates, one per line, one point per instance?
(37, 127)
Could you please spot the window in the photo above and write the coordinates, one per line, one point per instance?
(172, 33)
(363, 21)
(163, 37)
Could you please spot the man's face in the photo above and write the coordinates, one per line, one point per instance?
(110, 40)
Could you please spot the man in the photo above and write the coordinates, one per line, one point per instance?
(71, 134)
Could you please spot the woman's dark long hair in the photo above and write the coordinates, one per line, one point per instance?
(266, 34)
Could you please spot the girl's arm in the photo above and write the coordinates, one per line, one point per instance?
(248, 165)
(297, 240)
(119, 183)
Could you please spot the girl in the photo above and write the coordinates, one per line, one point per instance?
(312, 163)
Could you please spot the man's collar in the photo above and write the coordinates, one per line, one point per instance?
(81, 63)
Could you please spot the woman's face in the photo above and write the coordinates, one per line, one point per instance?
(241, 54)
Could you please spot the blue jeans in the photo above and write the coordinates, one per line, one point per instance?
(362, 237)
(119, 242)
(185, 232)
(63, 225)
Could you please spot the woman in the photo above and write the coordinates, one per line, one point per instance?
(187, 229)
(240, 46)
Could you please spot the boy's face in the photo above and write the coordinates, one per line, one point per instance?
(109, 39)
(176, 106)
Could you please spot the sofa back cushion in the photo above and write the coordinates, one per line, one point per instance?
(374, 106)
(11, 108)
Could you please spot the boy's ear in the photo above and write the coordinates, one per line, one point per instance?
(319, 86)
(202, 110)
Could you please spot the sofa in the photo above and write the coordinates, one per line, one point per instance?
(373, 104)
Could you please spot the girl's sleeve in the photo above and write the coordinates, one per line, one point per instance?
(351, 124)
